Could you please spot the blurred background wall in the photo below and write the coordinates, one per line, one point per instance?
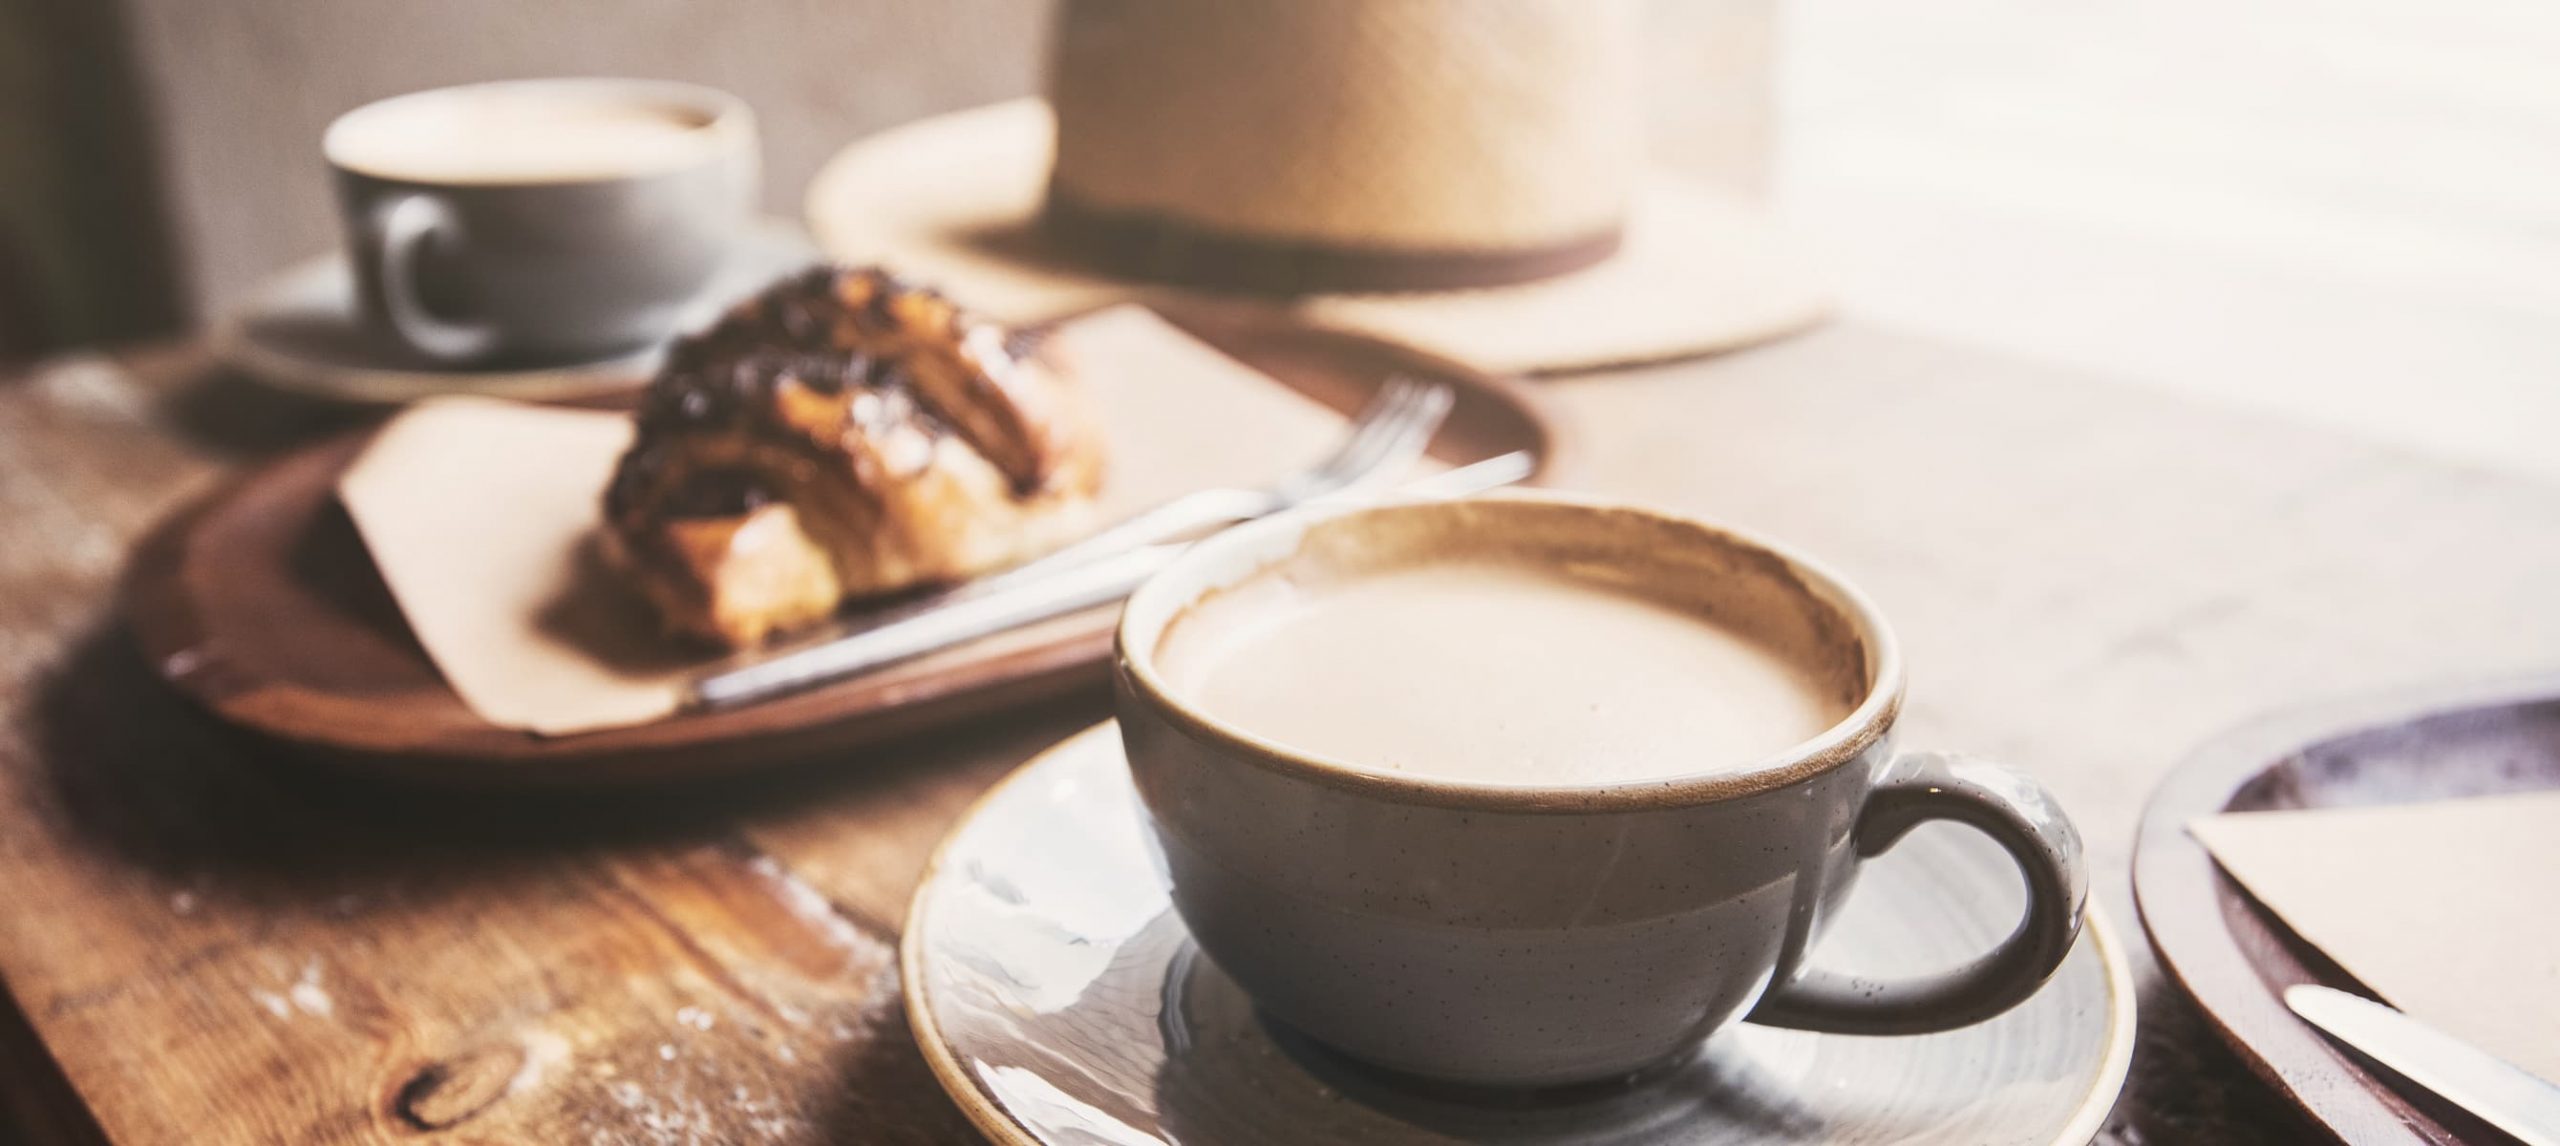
(242, 88)
(160, 156)
(85, 251)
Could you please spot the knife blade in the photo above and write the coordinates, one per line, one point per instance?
(2499, 1092)
(1008, 603)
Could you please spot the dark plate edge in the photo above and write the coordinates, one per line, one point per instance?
(2198, 952)
(502, 760)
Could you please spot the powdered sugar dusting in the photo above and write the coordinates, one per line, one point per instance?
(806, 905)
(542, 1051)
(307, 995)
(304, 994)
(672, 1112)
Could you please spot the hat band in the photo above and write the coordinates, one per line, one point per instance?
(1145, 245)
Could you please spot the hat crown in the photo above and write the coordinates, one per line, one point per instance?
(1467, 127)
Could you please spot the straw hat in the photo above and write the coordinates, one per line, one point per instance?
(1463, 175)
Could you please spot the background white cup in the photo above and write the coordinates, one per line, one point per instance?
(541, 220)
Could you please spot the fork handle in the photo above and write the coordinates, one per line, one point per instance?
(941, 622)
(1185, 514)
(906, 637)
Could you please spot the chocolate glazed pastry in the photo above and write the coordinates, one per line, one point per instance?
(843, 435)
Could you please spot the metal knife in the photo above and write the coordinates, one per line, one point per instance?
(961, 617)
(2498, 1091)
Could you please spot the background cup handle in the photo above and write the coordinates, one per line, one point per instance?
(2024, 819)
(401, 227)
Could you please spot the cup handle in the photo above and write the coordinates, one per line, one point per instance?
(401, 227)
(2025, 820)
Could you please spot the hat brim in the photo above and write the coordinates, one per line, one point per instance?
(954, 200)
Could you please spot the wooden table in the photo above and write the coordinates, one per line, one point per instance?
(216, 945)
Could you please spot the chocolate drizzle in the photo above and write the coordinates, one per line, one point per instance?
(841, 435)
(862, 338)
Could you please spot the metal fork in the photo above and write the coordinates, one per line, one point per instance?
(1389, 432)
(944, 623)
(1393, 429)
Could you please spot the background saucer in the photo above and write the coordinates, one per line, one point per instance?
(302, 332)
(1060, 1000)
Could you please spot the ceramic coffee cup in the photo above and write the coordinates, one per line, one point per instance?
(541, 220)
(1519, 935)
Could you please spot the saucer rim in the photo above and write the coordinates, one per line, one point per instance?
(399, 386)
(392, 386)
(989, 1117)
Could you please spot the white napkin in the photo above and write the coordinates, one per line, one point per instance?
(2444, 909)
(480, 515)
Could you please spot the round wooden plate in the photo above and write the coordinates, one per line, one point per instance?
(260, 602)
(2235, 958)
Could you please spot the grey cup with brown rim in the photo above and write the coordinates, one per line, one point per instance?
(472, 245)
(1515, 935)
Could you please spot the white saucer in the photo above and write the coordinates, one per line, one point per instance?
(1059, 999)
(302, 332)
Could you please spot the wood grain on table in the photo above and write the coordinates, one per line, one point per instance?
(219, 945)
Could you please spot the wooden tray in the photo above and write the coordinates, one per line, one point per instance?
(261, 603)
(2235, 958)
